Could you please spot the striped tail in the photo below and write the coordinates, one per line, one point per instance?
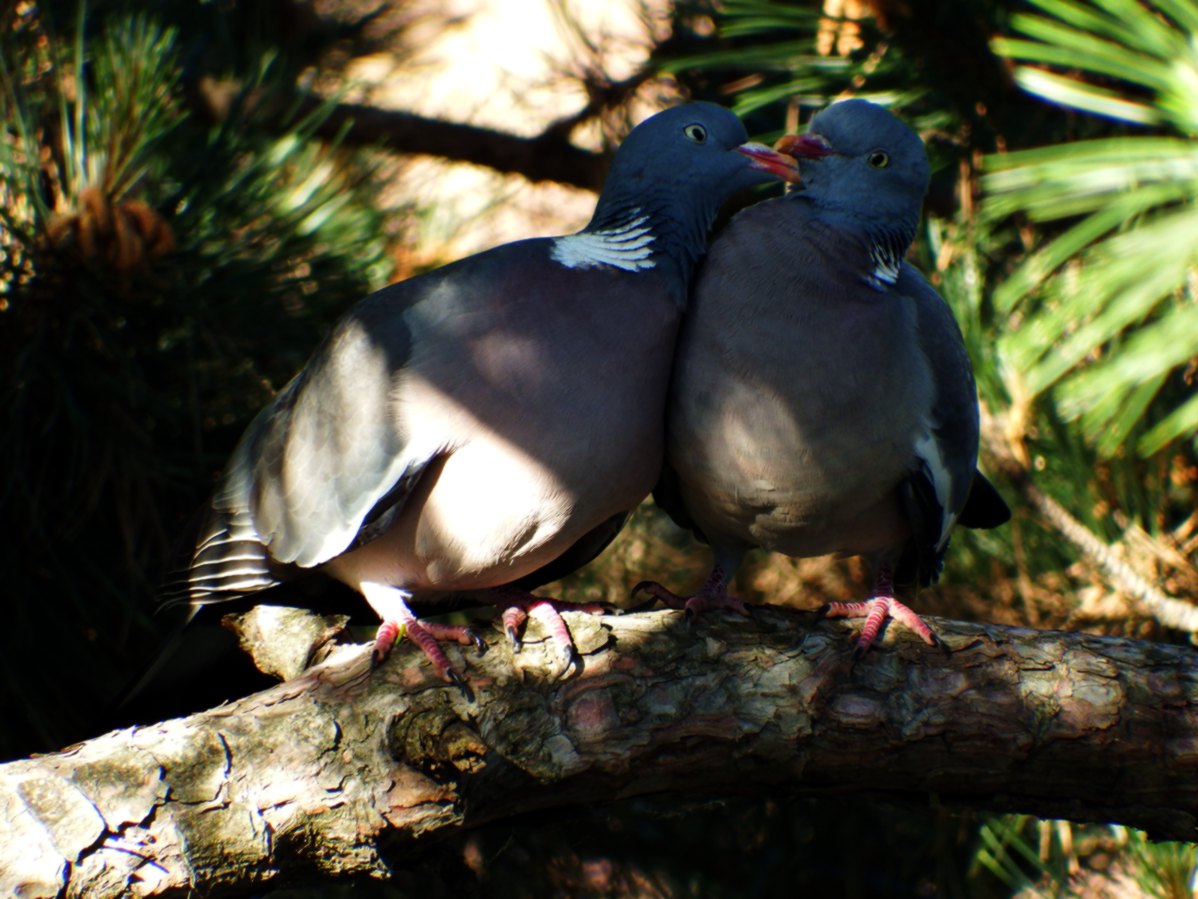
(229, 561)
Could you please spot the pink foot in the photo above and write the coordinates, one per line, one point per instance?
(875, 611)
(519, 606)
(713, 595)
(398, 620)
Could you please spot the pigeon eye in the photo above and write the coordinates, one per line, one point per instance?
(697, 133)
(879, 159)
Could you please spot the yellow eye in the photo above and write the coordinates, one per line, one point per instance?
(879, 159)
(697, 133)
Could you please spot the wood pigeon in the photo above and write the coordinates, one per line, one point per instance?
(822, 399)
(488, 424)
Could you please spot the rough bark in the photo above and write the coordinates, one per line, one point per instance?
(346, 770)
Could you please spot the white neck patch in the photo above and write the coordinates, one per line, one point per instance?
(628, 246)
(886, 270)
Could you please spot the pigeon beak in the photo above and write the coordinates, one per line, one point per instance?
(777, 164)
(804, 146)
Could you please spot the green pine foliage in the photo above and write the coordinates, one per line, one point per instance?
(1107, 312)
(161, 277)
(1032, 859)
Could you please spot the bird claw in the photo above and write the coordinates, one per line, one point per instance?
(548, 613)
(427, 636)
(712, 596)
(657, 593)
(513, 636)
(877, 612)
(941, 645)
(460, 682)
(388, 634)
(477, 639)
(573, 663)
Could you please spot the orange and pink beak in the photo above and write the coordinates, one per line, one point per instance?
(778, 164)
(782, 160)
(803, 146)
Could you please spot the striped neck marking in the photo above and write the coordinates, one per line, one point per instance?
(886, 269)
(886, 254)
(628, 246)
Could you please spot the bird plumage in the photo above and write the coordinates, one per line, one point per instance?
(822, 399)
(491, 421)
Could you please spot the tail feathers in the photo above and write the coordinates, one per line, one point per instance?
(230, 560)
(984, 507)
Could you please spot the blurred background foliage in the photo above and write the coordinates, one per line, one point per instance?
(185, 207)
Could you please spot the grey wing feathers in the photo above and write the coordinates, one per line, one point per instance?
(934, 494)
(331, 451)
(954, 413)
(228, 557)
(322, 461)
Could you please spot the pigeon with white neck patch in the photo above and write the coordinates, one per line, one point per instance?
(488, 424)
(822, 399)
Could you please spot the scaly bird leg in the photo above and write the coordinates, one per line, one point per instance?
(876, 610)
(520, 605)
(390, 603)
(712, 595)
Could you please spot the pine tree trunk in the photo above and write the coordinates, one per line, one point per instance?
(338, 772)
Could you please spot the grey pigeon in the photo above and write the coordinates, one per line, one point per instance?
(822, 399)
(490, 423)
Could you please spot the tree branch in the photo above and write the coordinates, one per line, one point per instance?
(338, 772)
(547, 157)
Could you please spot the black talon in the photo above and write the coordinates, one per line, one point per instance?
(460, 682)
(517, 643)
(642, 585)
(477, 639)
(573, 660)
(942, 646)
(822, 612)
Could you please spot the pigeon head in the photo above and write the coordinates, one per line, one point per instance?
(870, 155)
(862, 164)
(694, 156)
(668, 181)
